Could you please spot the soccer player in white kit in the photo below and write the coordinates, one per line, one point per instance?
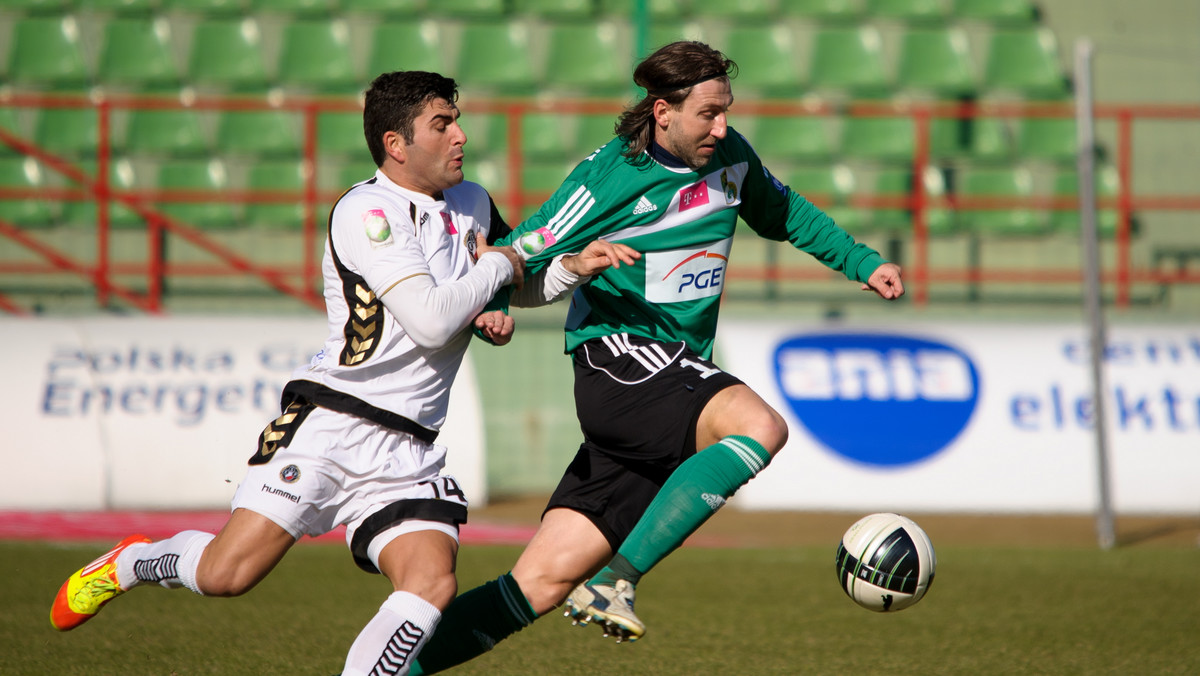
(408, 270)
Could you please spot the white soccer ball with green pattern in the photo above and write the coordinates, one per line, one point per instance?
(885, 562)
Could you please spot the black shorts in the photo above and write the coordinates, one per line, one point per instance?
(638, 402)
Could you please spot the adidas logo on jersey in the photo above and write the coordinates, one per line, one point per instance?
(644, 206)
(715, 502)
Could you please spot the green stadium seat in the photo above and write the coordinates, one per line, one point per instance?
(587, 58)
(384, 8)
(547, 136)
(914, 11)
(594, 130)
(791, 138)
(496, 55)
(124, 7)
(896, 183)
(341, 134)
(998, 183)
(277, 176)
(10, 121)
(137, 53)
(316, 57)
(347, 174)
(665, 33)
(936, 60)
(850, 60)
(544, 177)
(227, 54)
(556, 9)
(882, 139)
(175, 132)
(1025, 62)
(1108, 186)
(292, 7)
(71, 132)
(207, 176)
(259, 132)
(1047, 138)
(406, 45)
(471, 9)
(981, 139)
(206, 7)
(491, 173)
(823, 10)
(996, 12)
(657, 9)
(766, 58)
(46, 52)
(487, 134)
(24, 172)
(121, 176)
(829, 188)
(30, 6)
(741, 11)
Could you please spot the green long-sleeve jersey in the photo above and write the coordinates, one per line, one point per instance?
(682, 221)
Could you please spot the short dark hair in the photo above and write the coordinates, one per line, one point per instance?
(669, 74)
(395, 100)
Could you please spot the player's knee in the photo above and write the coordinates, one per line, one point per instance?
(765, 426)
(438, 590)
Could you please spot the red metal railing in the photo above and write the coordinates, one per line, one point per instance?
(301, 279)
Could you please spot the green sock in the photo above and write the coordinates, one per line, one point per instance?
(692, 494)
(474, 622)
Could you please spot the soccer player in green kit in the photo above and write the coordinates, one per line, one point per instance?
(668, 435)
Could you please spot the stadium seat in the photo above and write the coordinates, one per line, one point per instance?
(208, 176)
(384, 8)
(227, 54)
(487, 134)
(340, 134)
(996, 12)
(406, 45)
(206, 7)
(1047, 138)
(766, 58)
(24, 172)
(849, 60)
(882, 139)
(293, 7)
(935, 60)
(593, 131)
(913, 11)
(998, 183)
(657, 9)
(277, 176)
(544, 178)
(791, 138)
(662, 33)
(123, 7)
(48, 6)
(471, 9)
(10, 121)
(259, 132)
(896, 184)
(588, 59)
(734, 12)
(177, 132)
(1025, 62)
(316, 57)
(823, 10)
(46, 52)
(121, 176)
(555, 9)
(67, 131)
(492, 174)
(829, 188)
(1108, 186)
(547, 136)
(496, 55)
(983, 139)
(137, 54)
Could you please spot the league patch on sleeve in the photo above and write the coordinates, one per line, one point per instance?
(534, 242)
(774, 181)
(379, 231)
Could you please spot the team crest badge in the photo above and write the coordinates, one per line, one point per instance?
(731, 190)
(290, 474)
(469, 242)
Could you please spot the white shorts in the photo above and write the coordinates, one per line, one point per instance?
(339, 469)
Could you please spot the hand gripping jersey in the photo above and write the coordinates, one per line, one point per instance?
(379, 235)
(682, 221)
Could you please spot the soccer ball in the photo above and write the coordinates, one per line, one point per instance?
(885, 562)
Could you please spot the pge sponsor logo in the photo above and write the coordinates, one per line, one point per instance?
(881, 400)
(686, 274)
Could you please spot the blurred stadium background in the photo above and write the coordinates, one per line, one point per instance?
(179, 156)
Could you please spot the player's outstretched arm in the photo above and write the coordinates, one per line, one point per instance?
(886, 282)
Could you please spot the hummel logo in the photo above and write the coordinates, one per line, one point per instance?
(644, 206)
(715, 502)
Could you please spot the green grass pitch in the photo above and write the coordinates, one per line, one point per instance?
(991, 610)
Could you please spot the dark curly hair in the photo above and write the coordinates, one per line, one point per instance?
(395, 100)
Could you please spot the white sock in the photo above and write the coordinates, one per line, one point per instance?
(171, 563)
(386, 646)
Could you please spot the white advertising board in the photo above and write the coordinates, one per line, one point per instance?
(162, 413)
(971, 417)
